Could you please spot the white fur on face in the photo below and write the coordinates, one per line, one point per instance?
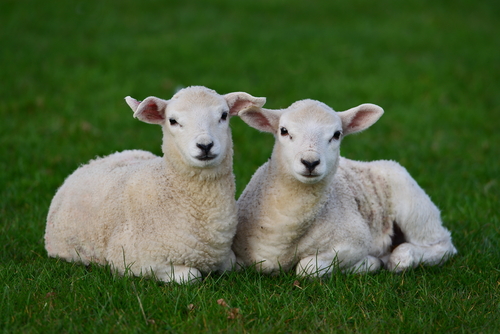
(199, 125)
(306, 135)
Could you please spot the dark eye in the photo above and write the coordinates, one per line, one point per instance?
(172, 121)
(224, 116)
(336, 135)
(284, 131)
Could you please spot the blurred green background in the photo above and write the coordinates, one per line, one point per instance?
(65, 67)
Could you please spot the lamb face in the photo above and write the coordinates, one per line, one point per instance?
(195, 123)
(308, 135)
(308, 141)
(198, 127)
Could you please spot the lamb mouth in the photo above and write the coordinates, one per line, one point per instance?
(206, 157)
(310, 176)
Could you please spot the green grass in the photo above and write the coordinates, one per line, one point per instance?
(65, 67)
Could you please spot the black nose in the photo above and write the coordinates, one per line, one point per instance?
(310, 165)
(205, 148)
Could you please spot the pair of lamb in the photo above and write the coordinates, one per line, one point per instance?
(175, 217)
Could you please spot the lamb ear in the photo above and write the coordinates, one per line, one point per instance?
(132, 103)
(151, 110)
(239, 101)
(266, 120)
(360, 118)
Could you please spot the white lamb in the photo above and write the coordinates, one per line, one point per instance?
(308, 207)
(174, 216)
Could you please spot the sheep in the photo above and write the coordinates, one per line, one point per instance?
(170, 217)
(311, 209)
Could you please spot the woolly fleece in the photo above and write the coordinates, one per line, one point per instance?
(172, 216)
(311, 209)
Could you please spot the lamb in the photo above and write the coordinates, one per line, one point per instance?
(310, 208)
(170, 217)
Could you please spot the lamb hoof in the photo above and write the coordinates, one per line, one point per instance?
(181, 275)
(313, 267)
(368, 264)
(400, 259)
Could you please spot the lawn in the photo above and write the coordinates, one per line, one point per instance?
(434, 66)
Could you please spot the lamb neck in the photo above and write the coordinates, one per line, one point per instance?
(300, 203)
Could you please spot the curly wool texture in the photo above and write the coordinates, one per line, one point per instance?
(156, 215)
(308, 207)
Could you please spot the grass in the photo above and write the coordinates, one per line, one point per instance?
(65, 67)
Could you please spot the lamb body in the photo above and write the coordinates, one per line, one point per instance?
(172, 216)
(308, 207)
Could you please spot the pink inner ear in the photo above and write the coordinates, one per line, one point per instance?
(261, 121)
(151, 112)
(359, 120)
(356, 121)
(239, 105)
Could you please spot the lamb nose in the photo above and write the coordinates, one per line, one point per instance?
(205, 148)
(310, 165)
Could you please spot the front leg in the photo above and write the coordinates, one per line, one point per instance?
(230, 263)
(314, 266)
(179, 274)
(347, 260)
(366, 265)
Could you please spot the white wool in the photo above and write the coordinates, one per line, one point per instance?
(309, 208)
(173, 217)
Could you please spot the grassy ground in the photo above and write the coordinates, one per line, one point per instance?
(65, 67)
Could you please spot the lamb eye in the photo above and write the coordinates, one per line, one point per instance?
(284, 131)
(337, 135)
(172, 121)
(224, 116)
